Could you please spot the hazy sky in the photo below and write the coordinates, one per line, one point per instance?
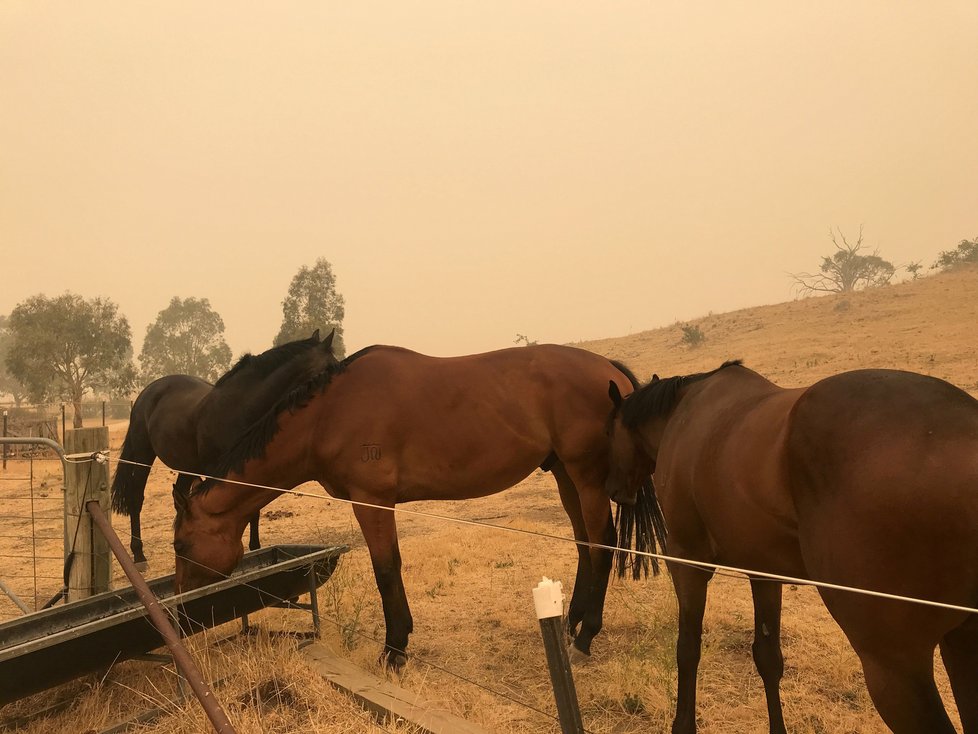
(475, 169)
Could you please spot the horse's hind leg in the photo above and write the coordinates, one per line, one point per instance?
(767, 647)
(590, 516)
(128, 494)
(136, 537)
(690, 584)
(582, 584)
(901, 684)
(959, 650)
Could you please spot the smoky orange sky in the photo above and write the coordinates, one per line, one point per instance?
(474, 170)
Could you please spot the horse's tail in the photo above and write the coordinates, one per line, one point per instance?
(129, 483)
(641, 527)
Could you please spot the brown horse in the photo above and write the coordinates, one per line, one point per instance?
(389, 425)
(190, 424)
(866, 479)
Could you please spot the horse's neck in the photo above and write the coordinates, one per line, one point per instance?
(246, 400)
(651, 432)
(239, 502)
(653, 428)
(263, 481)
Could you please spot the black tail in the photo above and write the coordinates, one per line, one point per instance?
(645, 523)
(641, 527)
(129, 483)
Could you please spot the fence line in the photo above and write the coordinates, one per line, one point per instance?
(705, 565)
(101, 456)
(364, 635)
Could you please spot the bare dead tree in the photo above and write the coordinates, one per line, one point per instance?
(846, 270)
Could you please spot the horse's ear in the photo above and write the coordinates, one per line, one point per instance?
(315, 336)
(179, 500)
(655, 378)
(614, 393)
(328, 341)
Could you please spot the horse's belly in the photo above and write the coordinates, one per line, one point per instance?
(419, 472)
(468, 480)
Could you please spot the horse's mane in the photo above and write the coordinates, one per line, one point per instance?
(270, 360)
(660, 396)
(251, 444)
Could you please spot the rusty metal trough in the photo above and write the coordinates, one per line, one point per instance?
(53, 646)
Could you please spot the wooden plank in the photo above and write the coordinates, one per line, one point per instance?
(86, 480)
(384, 699)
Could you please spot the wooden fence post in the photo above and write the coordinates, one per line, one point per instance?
(548, 598)
(86, 480)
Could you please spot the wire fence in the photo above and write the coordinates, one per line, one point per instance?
(705, 565)
(31, 532)
(343, 625)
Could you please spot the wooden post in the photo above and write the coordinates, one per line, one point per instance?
(86, 480)
(5, 435)
(548, 599)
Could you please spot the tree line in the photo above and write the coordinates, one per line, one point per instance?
(851, 267)
(61, 348)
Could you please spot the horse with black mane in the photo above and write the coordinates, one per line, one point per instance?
(866, 479)
(189, 423)
(388, 425)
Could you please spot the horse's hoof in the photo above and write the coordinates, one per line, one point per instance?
(577, 657)
(142, 566)
(393, 661)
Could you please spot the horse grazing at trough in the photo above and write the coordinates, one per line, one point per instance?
(388, 425)
(866, 479)
(188, 423)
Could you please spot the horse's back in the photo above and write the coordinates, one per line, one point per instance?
(481, 421)
(884, 475)
(167, 408)
(914, 430)
(525, 375)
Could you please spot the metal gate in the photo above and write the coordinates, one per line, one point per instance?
(32, 485)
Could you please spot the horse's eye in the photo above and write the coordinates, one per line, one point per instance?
(179, 546)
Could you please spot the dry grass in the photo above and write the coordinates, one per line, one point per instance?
(470, 588)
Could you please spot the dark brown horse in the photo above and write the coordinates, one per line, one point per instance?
(189, 424)
(390, 425)
(867, 479)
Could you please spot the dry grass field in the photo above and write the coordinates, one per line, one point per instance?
(476, 645)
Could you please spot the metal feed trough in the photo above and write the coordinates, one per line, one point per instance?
(56, 645)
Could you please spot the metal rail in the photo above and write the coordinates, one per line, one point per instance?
(27, 440)
(162, 623)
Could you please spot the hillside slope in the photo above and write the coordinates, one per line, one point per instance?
(928, 325)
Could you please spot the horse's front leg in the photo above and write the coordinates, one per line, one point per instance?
(253, 542)
(690, 586)
(767, 647)
(380, 532)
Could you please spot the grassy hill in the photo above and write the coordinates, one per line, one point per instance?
(928, 325)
